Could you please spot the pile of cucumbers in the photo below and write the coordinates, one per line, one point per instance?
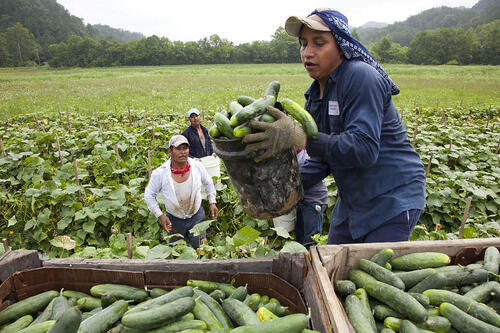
(421, 292)
(200, 306)
(233, 124)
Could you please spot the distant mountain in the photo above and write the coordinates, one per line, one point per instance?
(403, 33)
(100, 31)
(371, 24)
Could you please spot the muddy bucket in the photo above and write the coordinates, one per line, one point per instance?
(267, 189)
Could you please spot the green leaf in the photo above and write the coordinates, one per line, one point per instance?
(159, 252)
(12, 221)
(30, 224)
(282, 232)
(64, 222)
(188, 253)
(89, 226)
(245, 235)
(43, 216)
(293, 246)
(199, 228)
(63, 242)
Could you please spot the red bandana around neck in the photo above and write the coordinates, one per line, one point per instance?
(183, 171)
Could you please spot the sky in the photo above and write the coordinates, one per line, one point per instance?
(236, 21)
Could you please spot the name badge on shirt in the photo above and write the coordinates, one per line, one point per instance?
(333, 108)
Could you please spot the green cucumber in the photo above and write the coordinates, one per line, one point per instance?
(19, 324)
(421, 298)
(273, 89)
(465, 276)
(203, 312)
(357, 315)
(181, 325)
(398, 300)
(465, 289)
(107, 300)
(420, 260)
(209, 286)
(240, 293)
(465, 322)
(223, 125)
(367, 311)
(159, 315)
(411, 278)
(26, 306)
(382, 257)
(45, 315)
(294, 323)
(434, 281)
(68, 322)
(38, 328)
(235, 107)
(491, 259)
(344, 287)
(302, 116)
(360, 278)
(392, 323)
(380, 312)
(241, 130)
(89, 303)
(433, 311)
(105, 319)
(253, 301)
(59, 306)
(267, 118)
(251, 111)
(381, 274)
(88, 314)
(387, 330)
(475, 309)
(407, 326)
(218, 295)
(120, 291)
(263, 300)
(245, 100)
(74, 294)
(214, 131)
(484, 292)
(214, 307)
(186, 291)
(157, 292)
(239, 312)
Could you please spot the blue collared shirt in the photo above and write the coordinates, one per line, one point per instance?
(195, 147)
(364, 144)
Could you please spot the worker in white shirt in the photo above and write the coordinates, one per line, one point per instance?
(179, 180)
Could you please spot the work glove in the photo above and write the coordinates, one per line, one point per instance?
(274, 137)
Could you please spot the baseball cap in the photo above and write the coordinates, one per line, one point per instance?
(191, 111)
(177, 140)
(294, 24)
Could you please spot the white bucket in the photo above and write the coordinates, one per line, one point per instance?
(212, 164)
(286, 221)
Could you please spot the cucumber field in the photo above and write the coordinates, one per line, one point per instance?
(78, 145)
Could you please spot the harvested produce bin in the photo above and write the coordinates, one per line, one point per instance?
(267, 189)
(333, 262)
(289, 278)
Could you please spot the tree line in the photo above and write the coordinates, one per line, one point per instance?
(18, 47)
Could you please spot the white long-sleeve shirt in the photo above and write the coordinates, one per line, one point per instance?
(161, 182)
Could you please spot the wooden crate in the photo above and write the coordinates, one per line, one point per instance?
(333, 262)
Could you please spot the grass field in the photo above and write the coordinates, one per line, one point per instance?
(211, 87)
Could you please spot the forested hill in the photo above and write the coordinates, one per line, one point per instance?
(51, 23)
(484, 11)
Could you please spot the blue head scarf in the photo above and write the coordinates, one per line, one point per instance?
(352, 48)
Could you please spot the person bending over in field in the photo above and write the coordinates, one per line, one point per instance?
(179, 181)
(361, 140)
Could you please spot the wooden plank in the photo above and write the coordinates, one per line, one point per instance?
(14, 261)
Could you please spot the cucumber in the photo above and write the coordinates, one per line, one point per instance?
(218, 295)
(38, 328)
(59, 306)
(239, 312)
(157, 292)
(420, 260)
(407, 326)
(392, 323)
(475, 309)
(494, 304)
(74, 294)
(234, 108)
(180, 326)
(88, 314)
(253, 301)
(214, 307)
(171, 296)
(89, 303)
(19, 324)
(214, 131)
(45, 315)
(26, 306)
(344, 287)
(387, 330)
(240, 293)
(245, 100)
(158, 316)
(382, 257)
(107, 300)
(365, 303)
(380, 312)
(302, 116)
(357, 315)
(398, 300)
(209, 286)
(435, 281)
(273, 89)
(120, 291)
(294, 323)
(433, 311)
(465, 276)
(264, 300)
(360, 278)
(241, 130)
(421, 298)
(381, 274)
(264, 314)
(465, 322)
(251, 111)
(411, 278)
(223, 125)
(491, 259)
(484, 292)
(68, 322)
(104, 320)
(465, 289)
(267, 118)
(202, 312)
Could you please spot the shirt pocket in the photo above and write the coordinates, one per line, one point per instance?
(335, 124)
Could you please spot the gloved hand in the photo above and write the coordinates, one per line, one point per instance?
(275, 137)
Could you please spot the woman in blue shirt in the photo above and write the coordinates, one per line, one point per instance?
(361, 140)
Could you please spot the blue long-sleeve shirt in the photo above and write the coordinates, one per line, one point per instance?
(195, 147)
(363, 143)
